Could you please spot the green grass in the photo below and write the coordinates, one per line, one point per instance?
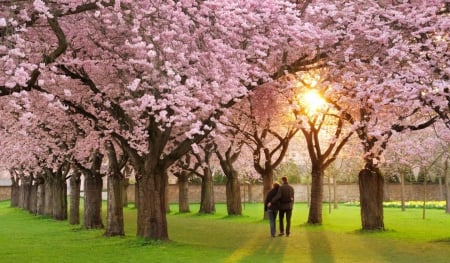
(220, 238)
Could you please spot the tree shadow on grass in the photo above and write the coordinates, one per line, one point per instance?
(442, 240)
(383, 247)
(320, 248)
(237, 217)
(259, 247)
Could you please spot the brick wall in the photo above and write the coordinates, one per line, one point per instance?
(5, 193)
(253, 193)
(344, 193)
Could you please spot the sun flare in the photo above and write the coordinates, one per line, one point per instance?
(312, 100)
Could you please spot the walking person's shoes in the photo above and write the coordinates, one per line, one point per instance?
(281, 234)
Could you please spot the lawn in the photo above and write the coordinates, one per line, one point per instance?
(220, 238)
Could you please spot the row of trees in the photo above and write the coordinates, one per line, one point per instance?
(165, 85)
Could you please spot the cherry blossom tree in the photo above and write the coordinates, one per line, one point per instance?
(324, 128)
(266, 130)
(154, 76)
(386, 83)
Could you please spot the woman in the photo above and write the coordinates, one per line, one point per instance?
(272, 209)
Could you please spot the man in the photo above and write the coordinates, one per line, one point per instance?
(285, 197)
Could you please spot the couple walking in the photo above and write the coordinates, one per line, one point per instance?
(280, 198)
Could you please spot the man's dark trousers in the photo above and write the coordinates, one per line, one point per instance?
(288, 213)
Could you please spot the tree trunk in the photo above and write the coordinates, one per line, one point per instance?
(207, 204)
(40, 207)
(267, 182)
(33, 197)
(136, 194)
(447, 187)
(48, 198)
(233, 188)
(93, 186)
(152, 221)
(402, 192)
(93, 202)
(386, 191)
(15, 190)
(125, 184)
(114, 216)
(75, 184)
(329, 194)
(335, 192)
(166, 192)
(59, 197)
(315, 209)
(267, 186)
(371, 198)
(308, 191)
(21, 193)
(425, 192)
(233, 194)
(183, 192)
(250, 193)
(25, 189)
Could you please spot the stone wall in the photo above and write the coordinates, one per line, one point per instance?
(5, 193)
(344, 193)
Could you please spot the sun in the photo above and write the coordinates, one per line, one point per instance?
(312, 101)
